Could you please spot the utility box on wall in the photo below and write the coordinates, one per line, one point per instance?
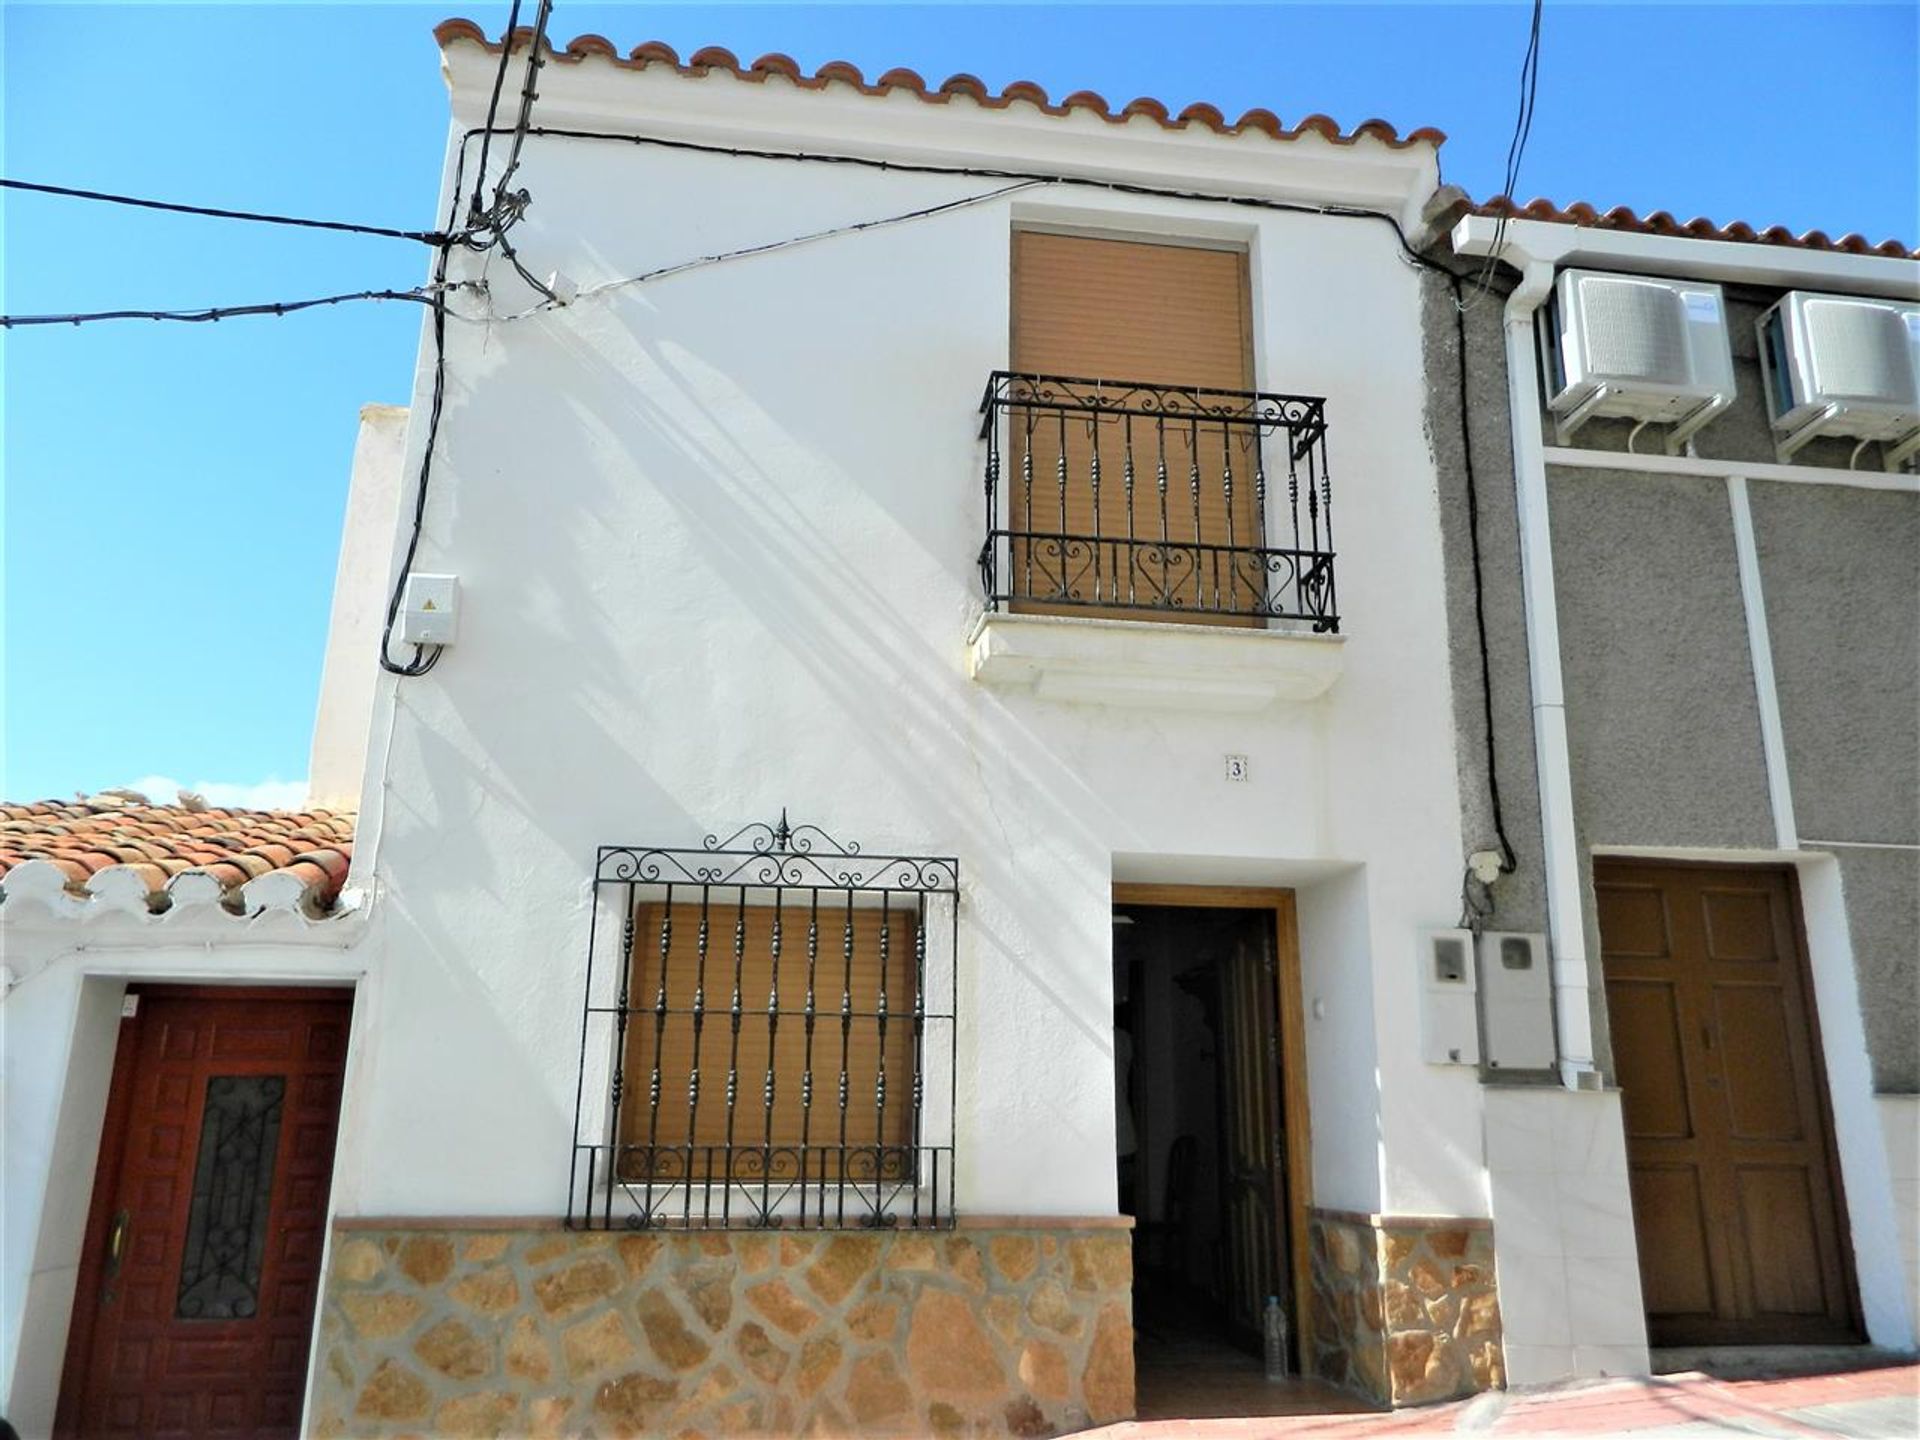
(1449, 1033)
(1516, 994)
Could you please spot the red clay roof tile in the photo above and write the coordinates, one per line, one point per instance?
(1662, 222)
(714, 57)
(160, 842)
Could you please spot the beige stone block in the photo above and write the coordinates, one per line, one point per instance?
(875, 1390)
(1025, 1419)
(875, 1319)
(1107, 1381)
(826, 1423)
(945, 1421)
(454, 1350)
(948, 1354)
(484, 1249)
(840, 1264)
(1487, 1365)
(965, 1265)
(1049, 1308)
(637, 1253)
(819, 1358)
(630, 1405)
(759, 1354)
(708, 1288)
(358, 1262)
(492, 1291)
(393, 1392)
(1043, 1369)
(1013, 1255)
(794, 1250)
(1479, 1315)
(485, 1415)
(913, 1252)
(1429, 1279)
(547, 1417)
(528, 1355)
(1447, 1244)
(571, 1290)
(381, 1314)
(1003, 1314)
(426, 1259)
(551, 1248)
(673, 1344)
(755, 1252)
(1101, 1263)
(1396, 1248)
(1343, 1248)
(597, 1344)
(1403, 1308)
(777, 1303)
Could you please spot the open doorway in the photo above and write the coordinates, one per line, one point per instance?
(1211, 1139)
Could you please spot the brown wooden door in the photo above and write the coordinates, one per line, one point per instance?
(194, 1310)
(1735, 1193)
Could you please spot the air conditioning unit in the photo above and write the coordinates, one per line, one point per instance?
(1840, 365)
(1634, 348)
(1516, 1001)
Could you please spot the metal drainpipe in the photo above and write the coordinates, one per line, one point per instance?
(1561, 859)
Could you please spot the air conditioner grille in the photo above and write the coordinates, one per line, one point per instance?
(1635, 331)
(1860, 352)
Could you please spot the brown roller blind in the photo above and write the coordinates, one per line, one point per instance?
(1125, 310)
(855, 1048)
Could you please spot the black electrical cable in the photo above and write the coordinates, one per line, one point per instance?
(425, 237)
(477, 211)
(224, 312)
(1517, 146)
(528, 94)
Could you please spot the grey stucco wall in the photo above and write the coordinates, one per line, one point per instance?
(1662, 712)
(1520, 898)
(1840, 569)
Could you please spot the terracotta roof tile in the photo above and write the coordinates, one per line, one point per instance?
(713, 57)
(1662, 222)
(159, 843)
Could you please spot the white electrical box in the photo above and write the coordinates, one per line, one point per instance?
(1516, 1001)
(430, 610)
(1449, 1033)
(1841, 365)
(1632, 347)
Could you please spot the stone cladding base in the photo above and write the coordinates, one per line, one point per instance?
(455, 1331)
(1404, 1309)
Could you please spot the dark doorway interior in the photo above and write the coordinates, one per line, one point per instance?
(1201, 1149)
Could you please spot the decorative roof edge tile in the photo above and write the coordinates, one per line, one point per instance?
(710, 58)
(1662, 222)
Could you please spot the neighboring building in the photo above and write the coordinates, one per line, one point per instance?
(912, 901)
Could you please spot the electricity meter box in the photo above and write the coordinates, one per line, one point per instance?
(1516, 1001)
(1449, 1032)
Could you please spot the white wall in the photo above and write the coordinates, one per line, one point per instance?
(360, 591)
(716, 539)
(1900, 1123)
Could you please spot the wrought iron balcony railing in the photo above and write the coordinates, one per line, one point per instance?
(1156, 501)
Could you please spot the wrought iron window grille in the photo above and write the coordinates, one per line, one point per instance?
(1173, 501)
(767, 1036)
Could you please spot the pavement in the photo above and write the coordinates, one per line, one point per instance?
(1876, 1404)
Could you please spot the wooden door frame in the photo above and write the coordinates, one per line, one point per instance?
(85, 1311)
(1802, 964)
(1290, 1015)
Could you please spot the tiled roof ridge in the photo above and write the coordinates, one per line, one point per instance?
(714, 57)
(1662, 222)
(118, 848)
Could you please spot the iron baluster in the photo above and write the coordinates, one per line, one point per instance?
(1026, 502)
(1132, 544)
(693, 1073)
(1166, 536)
(846, 1045)
(1226, 492)
(659, 1031)
(880, 1047)
(773, 1045)
(989, 552)
(733, 1052)
(1093, 475)
(917, 1136)
(806, 1073)
(1259, 442)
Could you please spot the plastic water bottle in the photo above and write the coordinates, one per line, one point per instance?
(1275, 1325)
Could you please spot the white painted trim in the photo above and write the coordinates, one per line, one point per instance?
(1773, 743)
(1738, 261)
(1691, 465)
(1560, 857)
(1859, 844)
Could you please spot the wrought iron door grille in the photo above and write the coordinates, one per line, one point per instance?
(1182, 501)
(767, 1037)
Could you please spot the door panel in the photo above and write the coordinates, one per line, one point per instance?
(194, 1308)
(1735, 1192)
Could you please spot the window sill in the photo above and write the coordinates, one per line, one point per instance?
(1153, 664)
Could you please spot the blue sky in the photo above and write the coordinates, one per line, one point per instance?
(173, 494)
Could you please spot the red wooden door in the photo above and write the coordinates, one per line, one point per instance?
(194, 1308)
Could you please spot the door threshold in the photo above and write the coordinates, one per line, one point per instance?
(1758, 1362)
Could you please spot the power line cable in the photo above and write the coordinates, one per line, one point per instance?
(1516, 147)
(423, 295)
(476, 210)
(425, 237)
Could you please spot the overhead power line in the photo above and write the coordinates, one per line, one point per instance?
(423, 295)
(425, 237)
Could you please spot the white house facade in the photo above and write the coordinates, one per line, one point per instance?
(917, 867)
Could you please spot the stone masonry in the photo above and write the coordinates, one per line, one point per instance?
(544, 1332)
(1404, 1309)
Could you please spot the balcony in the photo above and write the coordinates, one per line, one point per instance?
(1127, 500)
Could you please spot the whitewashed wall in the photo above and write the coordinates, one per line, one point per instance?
(716, 541)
